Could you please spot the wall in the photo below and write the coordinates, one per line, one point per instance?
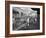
(2, 20)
